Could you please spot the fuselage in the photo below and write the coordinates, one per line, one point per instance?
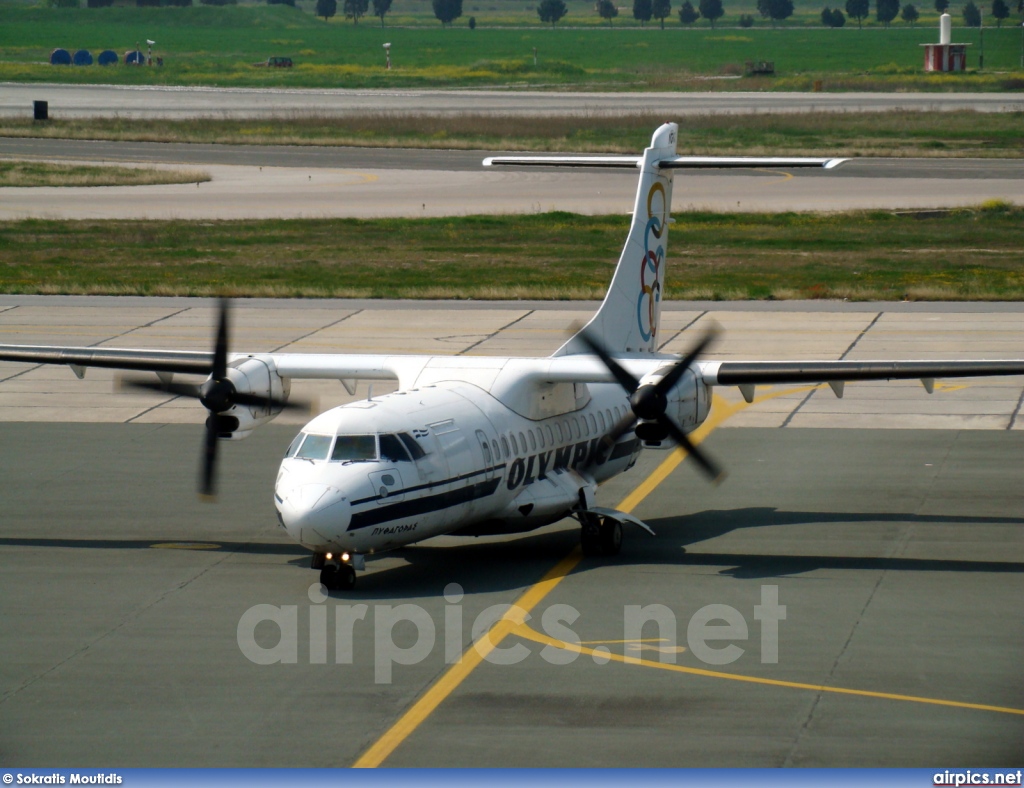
(447, 458)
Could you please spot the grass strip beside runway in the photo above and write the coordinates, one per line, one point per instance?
(957, 255)
(903, 133)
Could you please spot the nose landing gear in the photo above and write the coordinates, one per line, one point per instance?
(338, 573)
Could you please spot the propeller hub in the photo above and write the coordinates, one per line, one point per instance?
(217, 396)
(648, 402)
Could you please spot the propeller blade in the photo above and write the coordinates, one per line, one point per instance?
(607, 443)
(207, 478)
(715, 473)
(622, 375)
(258, 401)
(220, 347)
(177, 389)
(666, 383)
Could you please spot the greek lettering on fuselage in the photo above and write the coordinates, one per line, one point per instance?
(526, 470)
(393, 529)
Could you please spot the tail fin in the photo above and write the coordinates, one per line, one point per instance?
(627, 322)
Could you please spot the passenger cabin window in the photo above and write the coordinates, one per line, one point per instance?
(354, 448)
(593, 423)
(504, 447)
(512, 440)
(391, 449)
(522, 442)
(600, 420)
(558, 432)
(315, 447)
(551, 436)
(533, 441)
(497, 451)
(415, 450)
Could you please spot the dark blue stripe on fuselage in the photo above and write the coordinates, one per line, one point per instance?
(423, 505)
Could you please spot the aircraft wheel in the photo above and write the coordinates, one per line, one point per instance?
(329, 577)
(610, 536)
(318, 560)
(346, 578)
(590, 537)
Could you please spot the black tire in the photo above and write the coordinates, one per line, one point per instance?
(590, 537)
(610, 538)
(329, 577)
(346, 578)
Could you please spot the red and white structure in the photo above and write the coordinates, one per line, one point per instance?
(945, 56)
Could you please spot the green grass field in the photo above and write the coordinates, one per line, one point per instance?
(966, 254)
(206, 45)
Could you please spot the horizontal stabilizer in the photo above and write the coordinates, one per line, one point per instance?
(732, 162)
(631, 162)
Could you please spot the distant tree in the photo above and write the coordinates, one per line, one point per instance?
(778, 10)
(1000, 10)
(380, 8)
(941, 6)
(98, 3)
(326, 8)
(642, 11)
(832, 17)
(281, 2)
(688, 14)
(62, 3)
(607, 10)
(663, 8)
(219, 2)
(355, 8)
(447, 10)
(909, 14)
(858, 9)
(886, 11)
(972, 16)
(711, 10)
(746, 20)
(138, 3)
(762, 8)
(552, 10)
(472, 23)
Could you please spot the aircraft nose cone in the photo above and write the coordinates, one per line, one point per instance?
(314, 512)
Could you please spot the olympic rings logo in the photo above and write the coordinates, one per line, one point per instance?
(650, 264)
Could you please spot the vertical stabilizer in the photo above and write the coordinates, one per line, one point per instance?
(627, 321)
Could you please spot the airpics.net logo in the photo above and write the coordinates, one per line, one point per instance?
(969, 777)
(273, 634)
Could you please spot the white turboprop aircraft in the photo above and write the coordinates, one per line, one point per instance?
(490, 445)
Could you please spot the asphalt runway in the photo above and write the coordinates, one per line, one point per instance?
(307, 182)
(78, 101)
(898, 557)
(898, 554)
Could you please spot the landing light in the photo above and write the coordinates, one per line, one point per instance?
(345, 556)
(328, 556)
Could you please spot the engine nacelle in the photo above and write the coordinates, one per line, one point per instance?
(689, 402)
(252, 376)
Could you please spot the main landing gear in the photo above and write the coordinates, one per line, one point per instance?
(336, 574)
(600, 535)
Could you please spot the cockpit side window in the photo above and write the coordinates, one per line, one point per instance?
(294, 445)
(315, 447)
(415, 450)
(348, 448)
(391, 449)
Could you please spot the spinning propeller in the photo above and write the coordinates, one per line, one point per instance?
(649, 402)
(218, 395)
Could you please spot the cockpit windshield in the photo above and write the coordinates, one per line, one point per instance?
(314, 447)
(348, 448)
(355, 448)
